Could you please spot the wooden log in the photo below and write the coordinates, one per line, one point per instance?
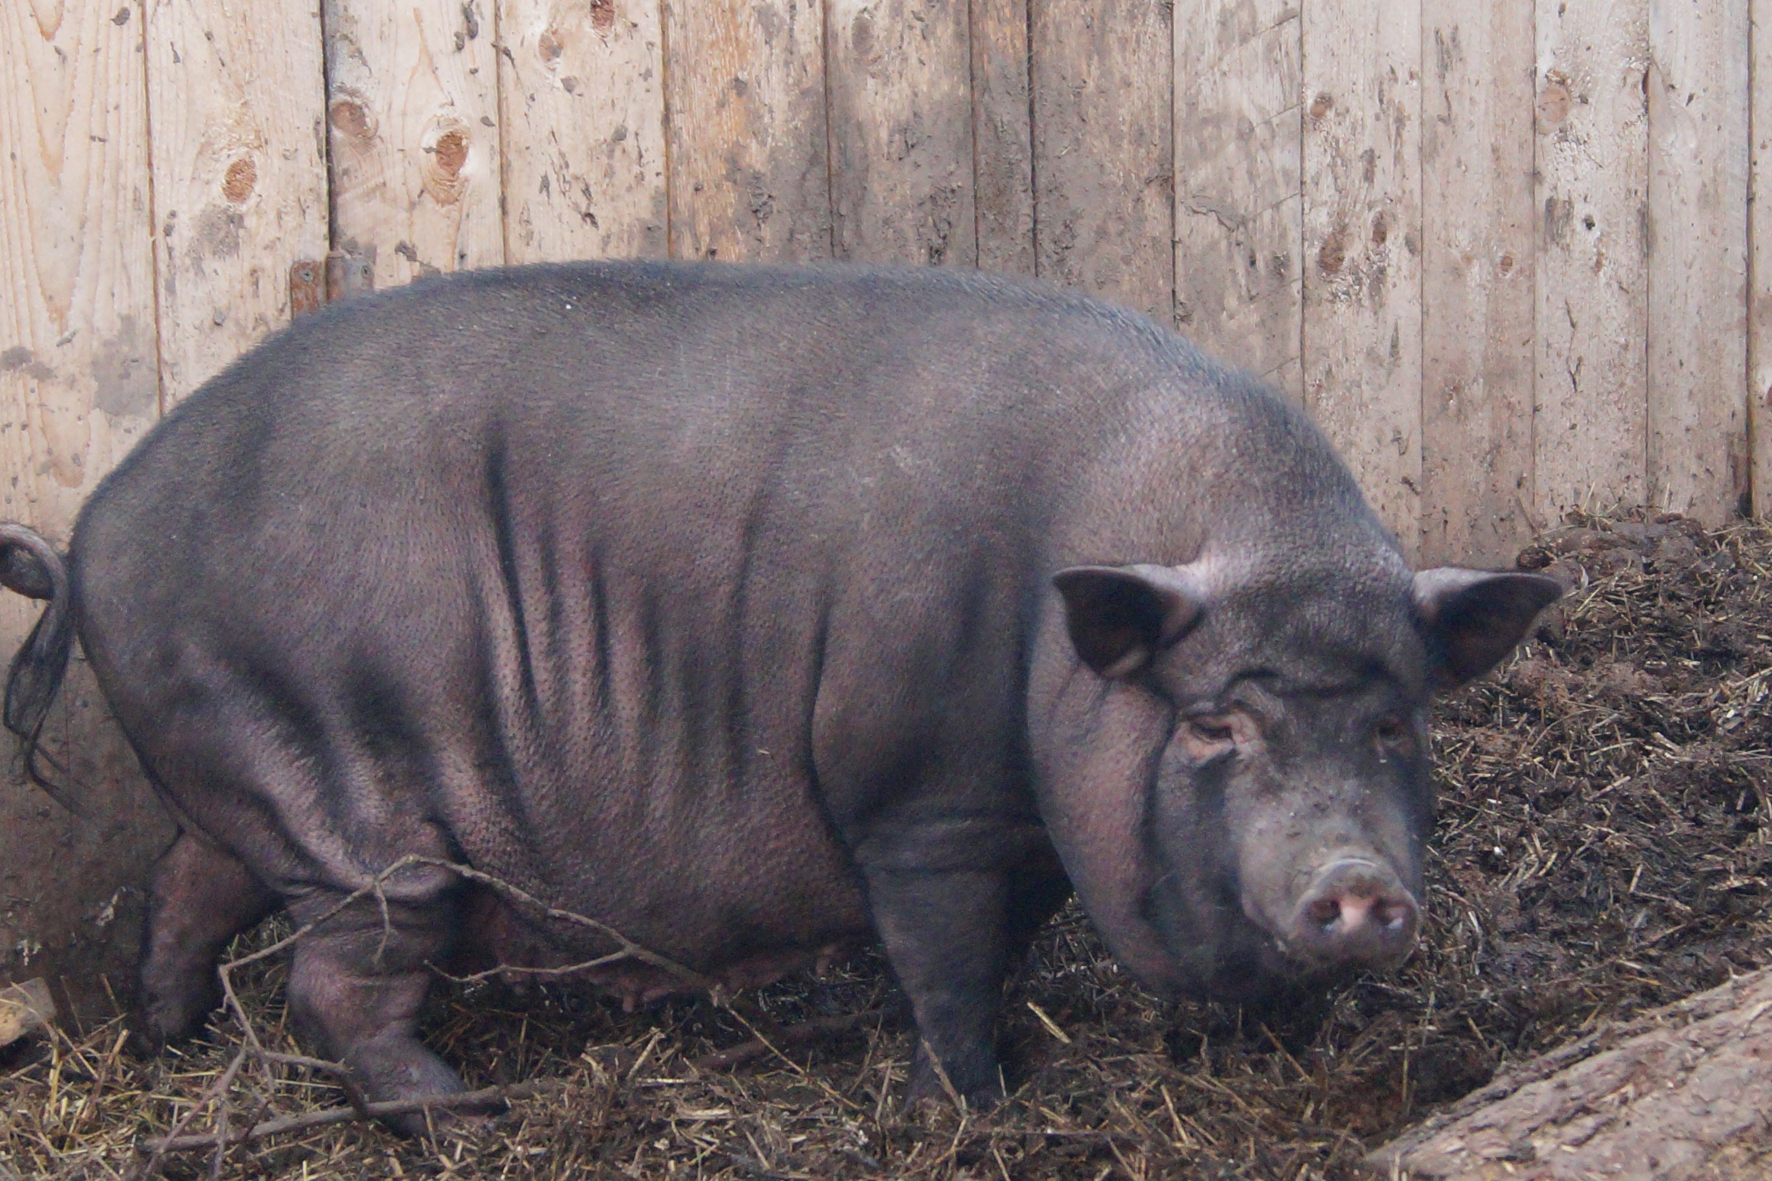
(1477, 299)
(582, 91)
(1362, 240)
(1238, 203)
(1103, 81)
(1002, 136)
(79, 384)
(1590, 435)
(413, 112)
(749, 180)
(1681, 1092)
(239, 174)
(1697, 263)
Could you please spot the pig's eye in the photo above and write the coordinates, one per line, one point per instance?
(1208, 738)
(1392, 735)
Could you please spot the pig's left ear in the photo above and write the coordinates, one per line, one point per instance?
(1474, 618)
(1121, 616)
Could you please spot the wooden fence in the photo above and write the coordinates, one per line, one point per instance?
(1504, 251)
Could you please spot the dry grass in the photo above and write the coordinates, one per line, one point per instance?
(1601, 849)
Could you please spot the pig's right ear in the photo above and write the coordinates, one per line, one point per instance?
(1475, 618)
(1121, 616)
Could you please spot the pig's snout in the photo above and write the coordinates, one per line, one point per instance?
(1355, 913)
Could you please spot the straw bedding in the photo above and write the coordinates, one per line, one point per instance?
(1601, 849)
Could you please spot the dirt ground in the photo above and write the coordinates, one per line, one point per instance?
(1602, 849)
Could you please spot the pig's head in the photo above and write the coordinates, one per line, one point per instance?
(1234, 762)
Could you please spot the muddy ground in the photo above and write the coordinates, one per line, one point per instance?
(1602, 848)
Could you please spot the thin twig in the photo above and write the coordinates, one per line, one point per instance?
(103, 1076)
(222, 1083)
(505, 971)
(804, 1033)
(360, 1108)
(771, 1048)
(485, 1096)
(628, 947)
(347, 1078)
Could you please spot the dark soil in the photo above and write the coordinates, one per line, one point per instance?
(1602, 848)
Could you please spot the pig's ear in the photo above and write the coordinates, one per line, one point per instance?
(1474, 618)
(1121, 616)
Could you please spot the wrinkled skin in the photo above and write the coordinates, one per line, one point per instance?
(755, 613)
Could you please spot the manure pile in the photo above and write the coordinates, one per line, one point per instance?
(1601, 849)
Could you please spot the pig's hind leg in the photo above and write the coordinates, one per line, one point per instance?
(307, 804)
(359, 978)
(200, 897)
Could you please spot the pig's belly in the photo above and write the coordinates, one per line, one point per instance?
(738, 944)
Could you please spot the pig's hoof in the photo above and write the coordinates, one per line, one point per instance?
(927, 1091)
(399, 1069)
(157, 1022)
(168, 1015)
(464, 1123)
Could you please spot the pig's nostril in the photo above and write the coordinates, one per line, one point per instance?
(1390, 914)
(1325, 913)
(1351, 911)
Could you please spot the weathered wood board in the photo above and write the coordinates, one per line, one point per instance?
(748, 141)
(79, 384)
(1759, 297)
(1477, 300)
(25, 1008)
(1697, 256)
(898, 75)
(1362, 243)
(1591, 428)
(239, 174)
(581, 87)
(1104, 148)
(413, 115)
(1238, 193)
(1002, 136)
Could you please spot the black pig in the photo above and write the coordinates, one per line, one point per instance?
(752, 611)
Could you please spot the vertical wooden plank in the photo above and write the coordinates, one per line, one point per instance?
(1760, 261)
(236, 96)
(1103, 81)
(1477, 300)
(1002, 136)
(1238, 201)
(78, 385)
(1590, 203)
(1362, 243)
(582, 90)
(898, 74)
(412, 108)
(746, 127)
(1697, 255)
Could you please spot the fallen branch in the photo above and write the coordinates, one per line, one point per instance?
(628, 949)
(484, 1097)
(360, 1109)
(211, 1094)
(347, 1078)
